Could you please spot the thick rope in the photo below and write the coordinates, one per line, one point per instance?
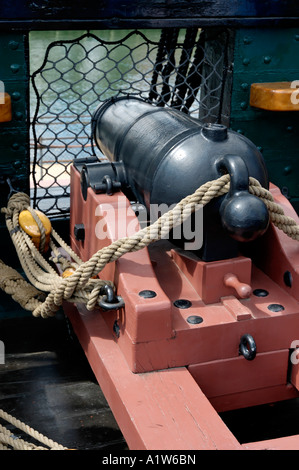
(8, 440)
(39, 272)
(21, 291)
(80, 285)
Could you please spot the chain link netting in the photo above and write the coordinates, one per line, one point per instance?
(170, 67)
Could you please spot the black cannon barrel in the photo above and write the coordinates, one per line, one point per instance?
(166, 153)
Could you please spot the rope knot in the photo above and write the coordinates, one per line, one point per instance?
(17, 202)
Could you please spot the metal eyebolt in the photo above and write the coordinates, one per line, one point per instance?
(247, 347)
(109, 300)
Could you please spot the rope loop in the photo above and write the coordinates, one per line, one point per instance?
(9, 441)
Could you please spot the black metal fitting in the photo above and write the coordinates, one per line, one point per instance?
(102, 177)
(147, 294)
(107, 186)
(243, 215)
(247, 347)
(194, 319)
(79, 232)
(182, 303)
(109, 300)
(167, 155)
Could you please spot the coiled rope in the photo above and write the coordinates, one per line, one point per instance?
(80, 287)
(8, 441)
(42, 276)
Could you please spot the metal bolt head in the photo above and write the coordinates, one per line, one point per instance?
(14, 68)
(16, 96)
(147, 294)
(260, 292)
(194, 319)
(244, 86)
(182, 303)
(287, 170)
(19, 116)
(275, 307)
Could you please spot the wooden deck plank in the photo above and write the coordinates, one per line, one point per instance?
(47, 383)
(156, 410)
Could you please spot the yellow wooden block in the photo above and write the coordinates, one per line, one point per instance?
(276, 96)
(5, 107)
(29, 226)
(68, 272)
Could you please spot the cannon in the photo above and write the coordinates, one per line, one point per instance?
(161, 155)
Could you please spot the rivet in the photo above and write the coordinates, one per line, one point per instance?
(14, 68)
(13, 45)
(182, 303)
(275, 307)
(246, 61)
(290, 128)
(147, 294)
(260, 292)
(15, 146)
(244, 86)
(243, 105)
(19, 116)
(17, 164)
(260, 149)
(194, 319)
(267, 59)
(247, 40)
(296, 37)
(240, 131)
(16, 96)
(287, 170)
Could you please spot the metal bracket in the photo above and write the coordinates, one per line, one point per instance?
(110, 301)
